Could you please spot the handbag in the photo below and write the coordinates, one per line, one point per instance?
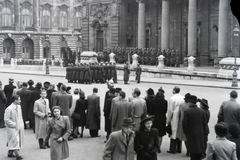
(75, 116)
(169, 129)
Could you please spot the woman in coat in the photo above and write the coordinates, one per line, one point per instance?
(146, 142)
(81, 107)
(150, 98)
(159, 110)
(58, 130)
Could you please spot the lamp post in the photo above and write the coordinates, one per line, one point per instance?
(236, 52)
(47, 65)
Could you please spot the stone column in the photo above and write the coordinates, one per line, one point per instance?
(141, 24)
(165, 25)
(223, 28)
(17, 14)
(36, 21)
(192, 28)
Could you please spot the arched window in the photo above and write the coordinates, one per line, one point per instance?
(63, 20)
(46, 22)
(26, 20)
(6, 17)
(78, 23)
(27, 49)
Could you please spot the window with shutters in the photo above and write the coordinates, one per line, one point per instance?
(6, 17)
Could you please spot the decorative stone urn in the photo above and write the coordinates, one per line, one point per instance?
(227, 67)
(161, 62)
(191, 63)
(112, 58)
(134, 60)
(88, 57)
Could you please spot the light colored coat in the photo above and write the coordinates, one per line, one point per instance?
(173, 113)
(122, 110)
(139, 107)
(41, 109)
(15, 128)
(117, 148)
(59, 128)
(222, 148)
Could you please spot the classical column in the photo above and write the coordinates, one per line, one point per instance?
(165, 25)
(223, 28)
(141, 24)
(36, 16)
(192, 28)
(17, 14)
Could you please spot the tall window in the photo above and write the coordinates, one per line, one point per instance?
(26, 20)
(6, 17)
(78, 23)
(8, 48)
(63, 20)
(46, 19)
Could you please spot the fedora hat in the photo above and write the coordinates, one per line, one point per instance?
(192, 99)
(11, 80)
(145, 117)
(127, 122)
(118, 90)
(186, 96)
(204, 102)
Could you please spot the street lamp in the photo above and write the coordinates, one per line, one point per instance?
(236, 52)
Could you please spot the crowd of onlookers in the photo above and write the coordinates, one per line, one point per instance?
(132, 124)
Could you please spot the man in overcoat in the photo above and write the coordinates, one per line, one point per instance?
(126, 72)
(15, 128)
(33, 96)
(3, 101)
(138, 73)
(194, 126)
(230, 110)
(64, 101)
(139, 107)
(8, 90)
(106, 110)
(24, 94)
(173, 118)
(41, 111)
(120, 145)
(54, 94)
(122, 110)
(93, 113)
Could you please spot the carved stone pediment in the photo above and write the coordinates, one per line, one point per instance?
(100, 11)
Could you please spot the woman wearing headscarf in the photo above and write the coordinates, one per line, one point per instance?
(81, 107)
(58, 130)
(146, 142)
(150, 100)
(159, 110)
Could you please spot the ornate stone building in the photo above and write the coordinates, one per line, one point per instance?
(36, 29)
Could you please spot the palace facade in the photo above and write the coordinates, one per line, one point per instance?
(37, 29)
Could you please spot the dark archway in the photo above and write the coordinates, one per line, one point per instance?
(8, 48)
(27, 49)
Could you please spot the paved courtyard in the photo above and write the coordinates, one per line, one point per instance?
(87, 148)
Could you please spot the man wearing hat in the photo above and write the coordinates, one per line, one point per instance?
(114, 101)
(120, 145)
(8, 90)
(173, 118)
(106, 110)
(230, 110)
(54, 94)
(139, 107)
(146, 142)
(205, 107)
(221, 148)
(194, 126)
(182, 108)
